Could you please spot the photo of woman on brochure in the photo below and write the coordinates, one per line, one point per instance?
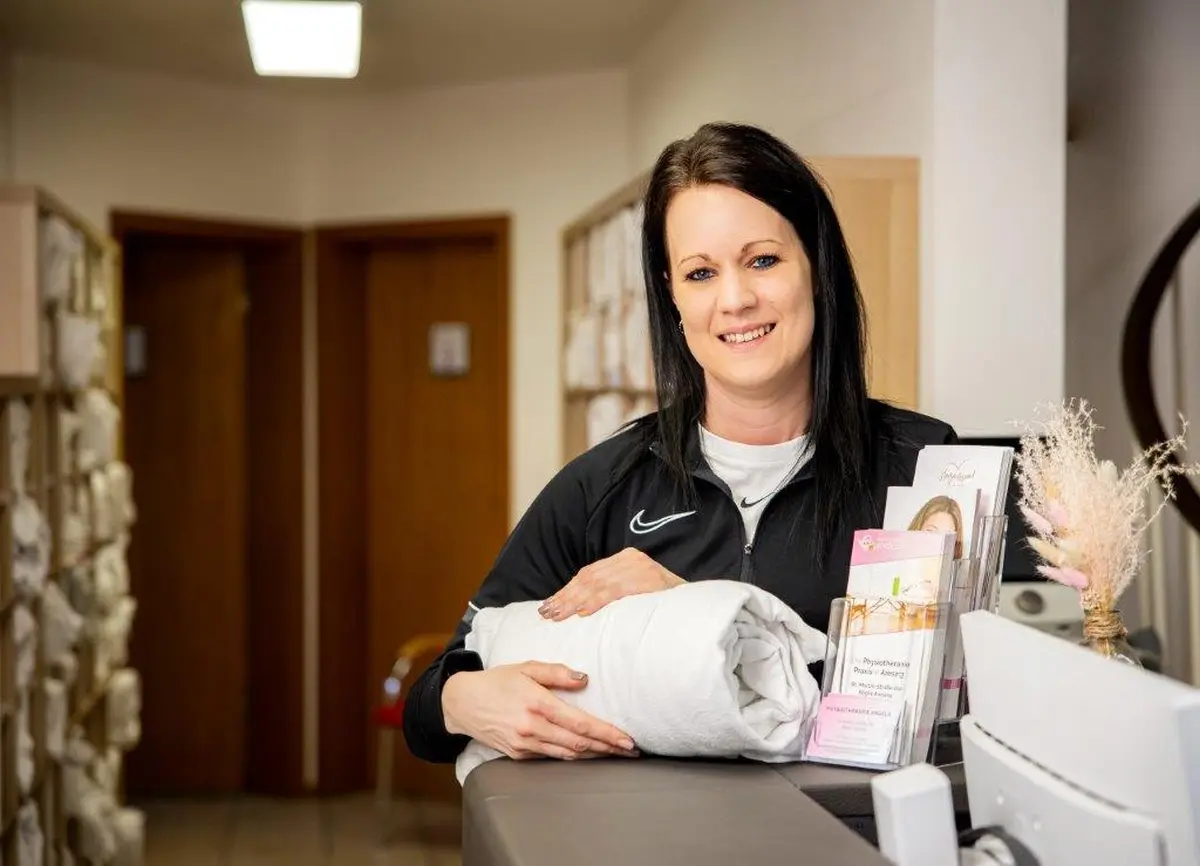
(940, 514)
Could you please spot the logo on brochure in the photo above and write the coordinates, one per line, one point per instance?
(957, 474)
(869, 542)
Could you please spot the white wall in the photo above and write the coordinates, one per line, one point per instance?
(541, 150)
(973, 88)
(1133, 173)
(821, 74)
(994, 333)
(102, 139)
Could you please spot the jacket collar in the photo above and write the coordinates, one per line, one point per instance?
(699, 467)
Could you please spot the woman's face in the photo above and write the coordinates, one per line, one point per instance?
(743, 287)
(939, 522)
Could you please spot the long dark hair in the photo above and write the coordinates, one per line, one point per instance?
(760, 165)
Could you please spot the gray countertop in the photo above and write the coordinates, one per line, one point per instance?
(657, 812)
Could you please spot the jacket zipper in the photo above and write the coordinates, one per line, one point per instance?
(746, 574)
(748, 546)
(747, 570)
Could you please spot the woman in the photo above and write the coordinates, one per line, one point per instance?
(765, 456)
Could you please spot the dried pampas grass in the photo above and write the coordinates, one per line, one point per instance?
(1087, 518)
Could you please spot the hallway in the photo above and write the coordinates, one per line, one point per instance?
(339, 831)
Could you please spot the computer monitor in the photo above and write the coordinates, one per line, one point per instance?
(1081, 758)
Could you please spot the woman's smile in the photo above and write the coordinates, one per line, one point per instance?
(749, 337)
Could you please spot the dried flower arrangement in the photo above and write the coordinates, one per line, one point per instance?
(1087, 518)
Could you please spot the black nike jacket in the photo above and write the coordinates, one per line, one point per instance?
(619, 494)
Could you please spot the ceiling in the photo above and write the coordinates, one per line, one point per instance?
(406, 43)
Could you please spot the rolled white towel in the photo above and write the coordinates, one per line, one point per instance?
(714, 668)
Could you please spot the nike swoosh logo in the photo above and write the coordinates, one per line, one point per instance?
(748, 504)
(641, 527)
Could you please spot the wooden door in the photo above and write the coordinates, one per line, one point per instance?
(185, 442)
(437, 449)
(876, 199)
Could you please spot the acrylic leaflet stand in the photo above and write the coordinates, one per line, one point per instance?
(975, 586)
(878, 714)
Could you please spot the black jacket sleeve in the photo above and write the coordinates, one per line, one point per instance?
(544, 551)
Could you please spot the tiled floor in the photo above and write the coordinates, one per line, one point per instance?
(336, 832)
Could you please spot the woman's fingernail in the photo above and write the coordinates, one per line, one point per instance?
(578, 675)
(627, 744)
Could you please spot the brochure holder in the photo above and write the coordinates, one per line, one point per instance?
(964, 581)
(886, 708)
(879, 703)
(992, 538)
(975, 584)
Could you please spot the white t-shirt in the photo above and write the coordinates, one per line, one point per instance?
(754, 473)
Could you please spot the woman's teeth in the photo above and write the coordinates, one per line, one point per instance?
(748, 336)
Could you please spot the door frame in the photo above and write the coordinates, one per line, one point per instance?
(345, 705)
(274, 733)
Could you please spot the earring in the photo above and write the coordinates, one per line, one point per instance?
(681, 326)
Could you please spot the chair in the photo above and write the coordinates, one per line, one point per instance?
(389, 717)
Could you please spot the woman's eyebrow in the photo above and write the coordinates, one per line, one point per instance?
(745, 247)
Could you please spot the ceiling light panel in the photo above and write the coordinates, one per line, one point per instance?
(304, 38)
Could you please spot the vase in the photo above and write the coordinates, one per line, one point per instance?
(1104, 633)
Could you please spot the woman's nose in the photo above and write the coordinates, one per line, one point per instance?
(734, 293)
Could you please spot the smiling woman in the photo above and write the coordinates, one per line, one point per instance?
(773, 253)
(764, 456)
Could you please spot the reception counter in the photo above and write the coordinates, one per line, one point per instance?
(656, 812)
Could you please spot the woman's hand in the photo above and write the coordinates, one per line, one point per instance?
(512, 710)
(629, 572)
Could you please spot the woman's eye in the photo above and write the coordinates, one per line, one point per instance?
(699, 274)
(764, 261)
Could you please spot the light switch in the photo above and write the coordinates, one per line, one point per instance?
(449, 349)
